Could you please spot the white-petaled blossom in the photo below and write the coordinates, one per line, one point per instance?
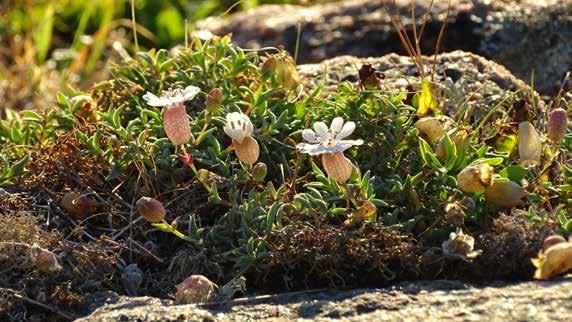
(323, 140)
(175, 120)
(172, 96)
(238, 126)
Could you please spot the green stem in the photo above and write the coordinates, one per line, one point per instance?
(200, 138)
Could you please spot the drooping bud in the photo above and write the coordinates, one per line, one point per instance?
(151, 209)
(556, 260)
(434, 127)
(474, 178)
(557, 124)
(247, 151)
(176, 123)
(213, 101)
(259, 171)
(551, 241)
(45, 260)
(195, 289)
(529, 148)
(506, 194)
(337, 166)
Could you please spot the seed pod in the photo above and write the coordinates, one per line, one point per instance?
(557, 124)
(337, 166)
(529, 147)
(151, 209)
(460, 244)
(556, 260)
(434, 127)
(213, 100)
(365, 212)
(551, 241)
(474, 178)
(195, 289)
(506, 194)
(45, 260)
(283, 66)
(259, 171)
(78, 205)
(247, 151)
(176, 124)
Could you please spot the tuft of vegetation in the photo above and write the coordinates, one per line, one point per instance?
(288, 222)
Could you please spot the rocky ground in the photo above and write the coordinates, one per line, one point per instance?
(527, 36)
(427, 301)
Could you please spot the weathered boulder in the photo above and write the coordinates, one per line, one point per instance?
(462, 80)
(427, 301)
(523, 35)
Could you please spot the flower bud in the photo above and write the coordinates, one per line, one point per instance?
(337, 166)
(247, 151)
(176, 123)
(434, 127)
(529, 147)
(259, 171)
(213, 100)
(557, 124)
(195, 289)
(45, 260)
(551, 241)
(505, 194)
(151, 209)
(474, 178)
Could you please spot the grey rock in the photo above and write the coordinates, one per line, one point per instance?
(458, 75)
(421, 301)
(523, 35)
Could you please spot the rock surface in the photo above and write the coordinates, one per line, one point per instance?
(422, 301)
(523, 35)
(458, 75)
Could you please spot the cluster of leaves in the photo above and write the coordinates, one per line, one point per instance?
(398, 171)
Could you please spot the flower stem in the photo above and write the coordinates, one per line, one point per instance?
(201, 180)
(201, 136)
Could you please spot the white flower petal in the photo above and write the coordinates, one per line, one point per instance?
(153, 100)
(346, 131)
(190, 92)
(311, 149)
(310, 136)
(346, 144)
(336, 126)
(322, 131)
(238, 126)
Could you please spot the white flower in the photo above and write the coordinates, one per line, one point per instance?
(238, 126)
(323, 140)
(172, 97)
